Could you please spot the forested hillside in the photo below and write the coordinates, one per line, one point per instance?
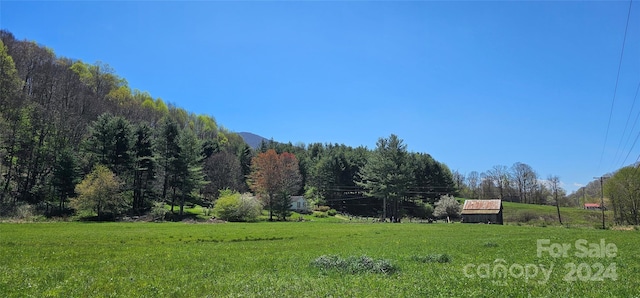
(75, 136)
(60, 117)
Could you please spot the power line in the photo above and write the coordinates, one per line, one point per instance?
(633, 126)
(624, 132)
(615, 90)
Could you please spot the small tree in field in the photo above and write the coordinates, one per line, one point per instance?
(99, 192)
(447, 206)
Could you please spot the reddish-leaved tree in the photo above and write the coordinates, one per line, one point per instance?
(277, 177)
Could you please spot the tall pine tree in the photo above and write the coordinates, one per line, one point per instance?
(387, 174)
(65, 176)
(168, 150)
(145, 168)
(188, 165)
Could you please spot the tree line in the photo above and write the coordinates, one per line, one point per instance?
(387, 181)
(518, 183)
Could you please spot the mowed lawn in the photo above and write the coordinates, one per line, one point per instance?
(274, 260)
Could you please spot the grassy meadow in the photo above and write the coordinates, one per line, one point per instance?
(546, 215)
(74, 259)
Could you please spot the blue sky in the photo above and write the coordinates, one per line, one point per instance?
(474, 84)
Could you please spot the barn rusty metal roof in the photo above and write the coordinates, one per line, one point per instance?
(484, 211)
(481, 206)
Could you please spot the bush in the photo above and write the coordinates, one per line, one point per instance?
(158, 211)
(322, 208)
(24, 211)
(490, 244)
(236, 207)
(319, 214)
(432, 258)
(423, 210)
(332, 212)
(354, 265)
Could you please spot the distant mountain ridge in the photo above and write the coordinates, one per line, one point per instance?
(253, 140)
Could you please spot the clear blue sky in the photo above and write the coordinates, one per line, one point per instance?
(474, 84)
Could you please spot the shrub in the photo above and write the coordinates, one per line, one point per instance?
(314, 197)
(206, 211)
(423, 210)
(490, 244)
(332, 212)
(236, 207)
(322, 208)
(432, 258)
(250, 208)
(24, 211)
(319, 214)
(354, 265)
(158, 211)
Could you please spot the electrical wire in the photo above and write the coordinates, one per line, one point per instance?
(615, 90)
(632, 127)
(624, 132)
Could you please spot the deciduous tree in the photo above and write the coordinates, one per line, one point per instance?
(223, 171)
(623, 190)
(277, 176)
(99, 192)
(447, 206)
(499, 175)
(473, 180)
(526, 180)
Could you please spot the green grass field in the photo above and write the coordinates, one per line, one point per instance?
(546, 215)
(514, 213)
(274, 259)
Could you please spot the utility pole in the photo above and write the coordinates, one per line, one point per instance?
(602, 197)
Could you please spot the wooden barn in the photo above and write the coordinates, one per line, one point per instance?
(482, 211)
